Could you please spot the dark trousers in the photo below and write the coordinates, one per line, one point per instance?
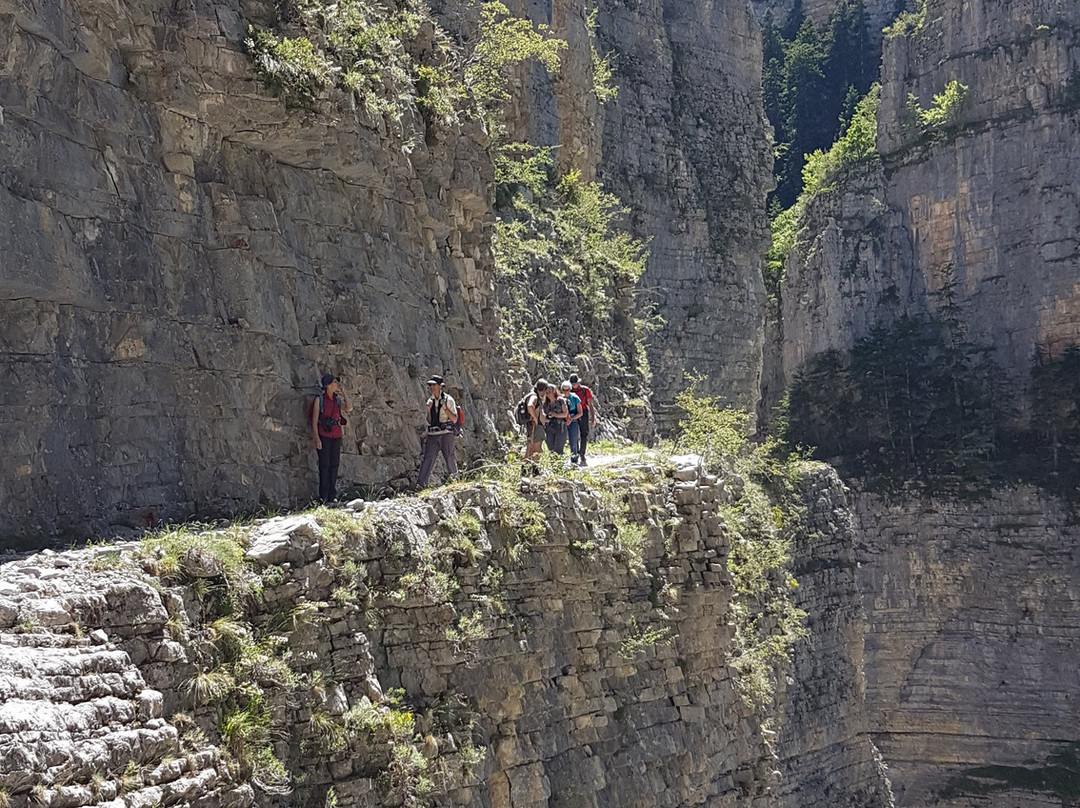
(584, 421)
(574, 433)
(433, 445)
(329, 459)
(556, 436)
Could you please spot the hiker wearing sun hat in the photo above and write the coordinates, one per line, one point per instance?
(441, 419)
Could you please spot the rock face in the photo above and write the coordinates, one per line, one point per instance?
(184, 258)
(685, 147)
(824, 734)
(956, 201)
(973, 619)
(586, 678)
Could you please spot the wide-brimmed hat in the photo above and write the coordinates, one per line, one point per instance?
(435, 380)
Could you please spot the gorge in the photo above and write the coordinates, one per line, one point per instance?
(186, 252)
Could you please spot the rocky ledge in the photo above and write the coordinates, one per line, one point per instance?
(547, 642)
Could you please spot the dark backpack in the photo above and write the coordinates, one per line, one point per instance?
(521, 412)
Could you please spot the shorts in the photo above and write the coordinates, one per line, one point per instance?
(537, 434)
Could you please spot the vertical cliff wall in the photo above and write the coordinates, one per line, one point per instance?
(184, 257)
(685, 146)
(988, 199)
(973, 616)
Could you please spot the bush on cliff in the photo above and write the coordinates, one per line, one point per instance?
(763, 519)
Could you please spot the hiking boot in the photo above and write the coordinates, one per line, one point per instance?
(573, 458)
(581, 461)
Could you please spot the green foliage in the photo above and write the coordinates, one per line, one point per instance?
(761, 523)
(709, 429)
(947, 109)
(570, 232)
(809, 79)
(504, 41)
(395, 57)
(857, 144)
(908, 23)
(603, 73)
(166, 549)
(292, 68)
(642, 640)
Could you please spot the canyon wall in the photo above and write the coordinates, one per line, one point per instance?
(185, 257)
(973, 614)
(685, 147)
(970, 605)
(450, 650)
(989, 201)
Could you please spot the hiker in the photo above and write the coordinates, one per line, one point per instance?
(573, 427)
(326, 423)
(557, 417)
(588, 418)
(442, 417)
(535, 432)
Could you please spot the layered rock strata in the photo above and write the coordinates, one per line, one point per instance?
(185, 257)
(591, 678)
(973, 620)
(824, 734)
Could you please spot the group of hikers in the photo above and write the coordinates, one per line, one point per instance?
(550, 414)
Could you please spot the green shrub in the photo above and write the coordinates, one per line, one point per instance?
(293, 69)
(908, 23)
(947, 109)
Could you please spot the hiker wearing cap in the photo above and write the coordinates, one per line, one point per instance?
(326, 433)
(442, 415)
(573, 404)
(588, 417)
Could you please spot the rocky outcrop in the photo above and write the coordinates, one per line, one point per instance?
(185, 256)
(973, 616)
(565, 667)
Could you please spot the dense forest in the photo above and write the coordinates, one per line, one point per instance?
(812, 79)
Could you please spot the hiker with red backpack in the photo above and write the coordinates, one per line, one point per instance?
(443, 422)
(588, 417)
(327, 420)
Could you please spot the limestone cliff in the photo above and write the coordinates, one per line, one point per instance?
(970, 217)
(957, 202)
(185, 256)
(684, 145)
(488, 646)
(972, 625)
